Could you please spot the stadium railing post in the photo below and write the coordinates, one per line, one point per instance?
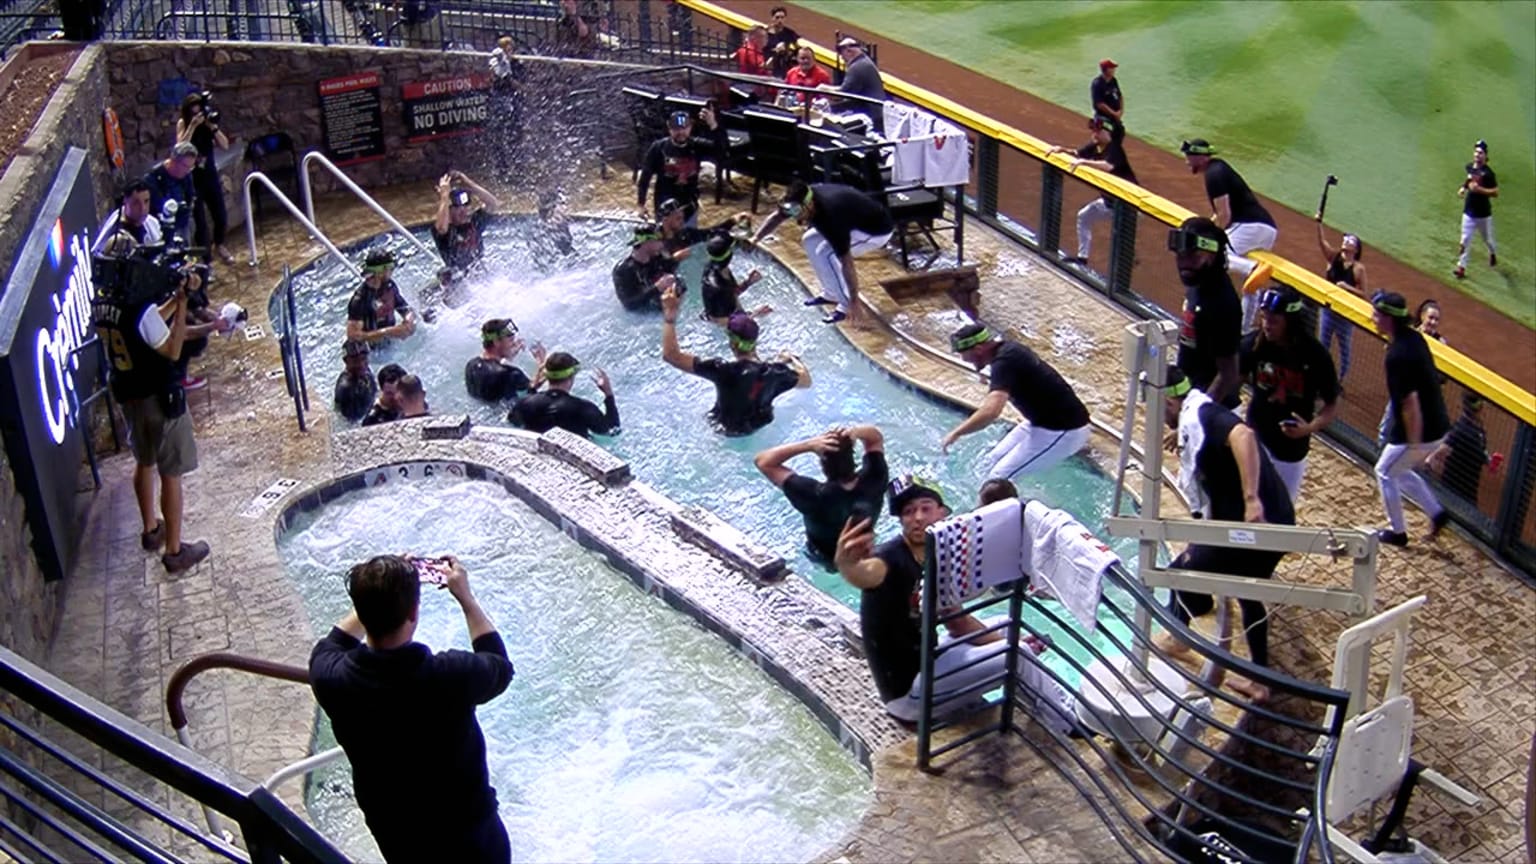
(987, 172)
(1048, 233)
(1122, 249)
(1516, 497)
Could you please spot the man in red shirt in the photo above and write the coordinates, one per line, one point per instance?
(806, 73)
(751, 59)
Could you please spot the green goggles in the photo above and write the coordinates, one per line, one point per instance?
(794, 208)
(493, 337)
(561, 374)
(743, 345)
(1180, 240)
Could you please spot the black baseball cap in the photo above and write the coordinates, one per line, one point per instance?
(1282, 299)
(459, 198)
(678, 119)
(905, 490)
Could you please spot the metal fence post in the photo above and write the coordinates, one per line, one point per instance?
(1122, 249)
(987, 158)
(1048, 233)
(1516, 498)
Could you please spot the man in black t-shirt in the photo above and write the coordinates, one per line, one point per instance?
(890, 607)
(745, 386)
(1415, 420)
(556, 407)
(1237, 212)
(674, 163)
(492, 377)
(1212, 315)
(849, 492)
(1055, 421)
(458, 229)
(375, 305)
(680, 237)
(1104, 93)
(1238, 483)
(720, 290)
(1290, 372)
(171, 181)
(840, 222)
(637, 279)
(355, 388)
(1106, 153)
(405, 715)
(387, 407)
(1478, 190)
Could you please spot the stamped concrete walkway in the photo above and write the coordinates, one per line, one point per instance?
(126, 626)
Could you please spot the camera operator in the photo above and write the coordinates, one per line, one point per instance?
(171, 180)
(132, 217)
(140, 314)
(199, 125)
(405, 715)
(371, 311)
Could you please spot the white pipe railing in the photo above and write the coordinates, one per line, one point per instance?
(307, 193)
(302, 767)
(309, 225)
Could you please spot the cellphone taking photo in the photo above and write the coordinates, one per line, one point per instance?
(432, 571)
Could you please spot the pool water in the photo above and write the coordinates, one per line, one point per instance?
(628, 734)
(569, 305)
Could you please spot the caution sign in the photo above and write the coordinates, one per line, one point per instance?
(353, 118)
(445, 107)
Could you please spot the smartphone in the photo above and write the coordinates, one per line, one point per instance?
(433, 571)
(1290, 422)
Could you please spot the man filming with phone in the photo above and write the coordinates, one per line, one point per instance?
(406, 716)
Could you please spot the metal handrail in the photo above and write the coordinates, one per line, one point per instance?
(306, 192)
(302, 767)
(315, 232)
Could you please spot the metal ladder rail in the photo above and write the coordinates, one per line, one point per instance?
(307, 193)
(293, 210)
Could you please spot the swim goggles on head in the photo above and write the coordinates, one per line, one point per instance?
(561, 374)
(795, 208)
(726, 255)
(379, 267)
(645, 234)
(1190, 148)
(1382, 302)
(743, 345)
(1180, 240)
(964, 343)
(507, 332)
(1279, 301)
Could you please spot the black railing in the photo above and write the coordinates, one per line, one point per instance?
(53, 811)
(291, 351)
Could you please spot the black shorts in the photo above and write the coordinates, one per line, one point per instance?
(1251, 563)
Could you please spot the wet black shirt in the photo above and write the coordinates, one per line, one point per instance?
(1221, 179)
(494, 381)
(1216, 469)
(635, 283)
(354, 396)
(1480, 206)
(888, 618)
(1213, 323)
(1114, 154)
(376, 309)
(721, 291)
(1411, 369)
(1045, 398)
(380, 414)
(462, 245)
(1286, 380)
(406, 719)
(839, 210)
(826, 506)
(744, 391)
(1105, 93)
(675, 168)
(551, 409)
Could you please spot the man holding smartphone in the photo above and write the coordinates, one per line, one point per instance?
(406, 716)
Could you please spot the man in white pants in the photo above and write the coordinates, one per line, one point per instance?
(840, 222)
(1105, 153)
(1238, 212)
(1479, 190)
(1415, 420)
(1055, 421)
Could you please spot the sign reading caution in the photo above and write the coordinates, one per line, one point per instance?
(446, 107)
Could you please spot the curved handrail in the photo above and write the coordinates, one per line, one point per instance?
(306, 192)
(302, 767)
(222, 660)
(250, 222)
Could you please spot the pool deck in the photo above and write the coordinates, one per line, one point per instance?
(126, 626)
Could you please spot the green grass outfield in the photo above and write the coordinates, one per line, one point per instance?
(1390, 96)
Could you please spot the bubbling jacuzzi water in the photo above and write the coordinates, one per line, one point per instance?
(568, 304)
(629, 733)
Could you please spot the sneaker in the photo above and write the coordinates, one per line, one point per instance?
(1437, 522)
(152, 540)
(193, 382)
(820, 301)
(1460, 272)
(225, 256)
(1493, 260)
(835, 317)
(1392, 538)
(187, 558)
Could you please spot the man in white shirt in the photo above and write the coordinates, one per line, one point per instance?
(131, 217)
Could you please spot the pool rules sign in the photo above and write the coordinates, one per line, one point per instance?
(445, 107)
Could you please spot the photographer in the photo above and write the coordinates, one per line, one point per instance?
(132, 217)
(171, 180)
(199, 125)
(145, 334)
(405, 715)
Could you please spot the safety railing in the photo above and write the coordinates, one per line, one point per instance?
(256, 177)
(1019, 190)
(306, 192)
(292, 352)
(64, 808)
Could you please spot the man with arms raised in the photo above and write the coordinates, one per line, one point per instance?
(849, 492)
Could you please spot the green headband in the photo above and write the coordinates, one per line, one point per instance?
(490, 338)
(729, 251)
(560, 374)
(1180, 389)
(742, 345)
(967, 342)
(793, 208)
(1390, 309)
(378, 268)
(1199, 149)
(644, 237)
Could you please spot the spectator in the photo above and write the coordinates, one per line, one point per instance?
(1213, 317)
(1056, 423)
(1290, 372)
(459, 226)
(722, 294)
(674, 163)
(1478, 192)
(199, 124)
(554, 406)
(1232, 480)
(1238, 212)
(751, 57)
(850, 492)
(421, 25)
(807, 73)
(406, 716)
(355, 388)
(782, 42)
(575, 33)
(387, 407)
(840, 222)
(994, 490)
(144, 342)
(1427, 320)
(1105, 153)
(1345, 271)
(171, 181)
(745, 386)
(1460, 460)
(862, 78)
(412, 398)
(1415, 420)
(374, 305)
(637, 279)
(492, 377)
(1107, 99)
(131, 217)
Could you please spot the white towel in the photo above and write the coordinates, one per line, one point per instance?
(1067, 559)
(896, 118)
(947, 158)
(1191, 439)
(977, 550)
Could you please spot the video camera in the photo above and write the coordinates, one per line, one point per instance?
(205, 99)
(151, 274)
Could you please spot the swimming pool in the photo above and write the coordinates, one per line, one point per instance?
(569, 305)
(629, 733)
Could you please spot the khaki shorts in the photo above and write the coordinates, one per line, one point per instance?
(154, 440)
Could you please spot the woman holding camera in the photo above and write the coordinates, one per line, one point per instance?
(199, 123)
